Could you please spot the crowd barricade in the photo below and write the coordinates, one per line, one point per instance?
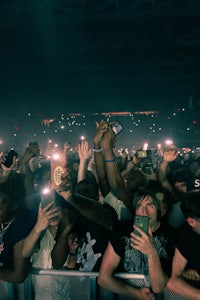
(42, 284)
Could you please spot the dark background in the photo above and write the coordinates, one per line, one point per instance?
(66, 56)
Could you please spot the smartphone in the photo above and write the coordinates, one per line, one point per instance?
(142, 222)
(47, 195)
(117, 127)
(7, 158)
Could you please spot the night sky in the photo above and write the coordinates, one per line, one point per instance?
(61, 58)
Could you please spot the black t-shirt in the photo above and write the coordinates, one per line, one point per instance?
(93, 242)
(188, 243)
(133, 260)
(18, 230)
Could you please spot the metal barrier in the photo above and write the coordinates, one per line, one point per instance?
(42, 284)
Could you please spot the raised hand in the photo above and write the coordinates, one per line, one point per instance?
(101, 128)
(84, 152)
(45, 216)
(47, 122)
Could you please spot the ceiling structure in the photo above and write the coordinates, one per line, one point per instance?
(71, 47)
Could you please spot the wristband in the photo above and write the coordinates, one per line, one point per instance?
(97, 150)
(109, 160)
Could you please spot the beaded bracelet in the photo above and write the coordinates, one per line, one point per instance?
(109, 160)
(97, 150)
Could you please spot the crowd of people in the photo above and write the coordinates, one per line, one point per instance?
(87, 221)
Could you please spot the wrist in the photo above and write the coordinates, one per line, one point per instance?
(37, 230)
(109, 160)
(152, 256)
(96, 146)
(164, 164)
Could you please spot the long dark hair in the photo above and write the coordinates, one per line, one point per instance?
(141, 194)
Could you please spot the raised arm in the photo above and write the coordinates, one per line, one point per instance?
(144, 244)
(43, 221)
(101, 128)
(89, 208)
(169, 155)
(60, 250)
(27, 176)
(84, 153)
(115, 178)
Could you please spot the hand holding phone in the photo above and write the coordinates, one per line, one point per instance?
(47, 195)
(142, 222)
(117, 127)
(7, 158)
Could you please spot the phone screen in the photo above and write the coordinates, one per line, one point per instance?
(141, 153)
(117, 127)
(47, 195)
(142, 222)
(8, 157)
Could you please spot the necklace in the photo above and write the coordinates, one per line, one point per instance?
(3, 229)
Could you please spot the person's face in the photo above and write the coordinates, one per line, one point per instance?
(163, 205)
(146, 207)
(195, 225)
(73, 242)
(181, 186)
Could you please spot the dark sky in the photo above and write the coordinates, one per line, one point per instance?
(97, 57)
